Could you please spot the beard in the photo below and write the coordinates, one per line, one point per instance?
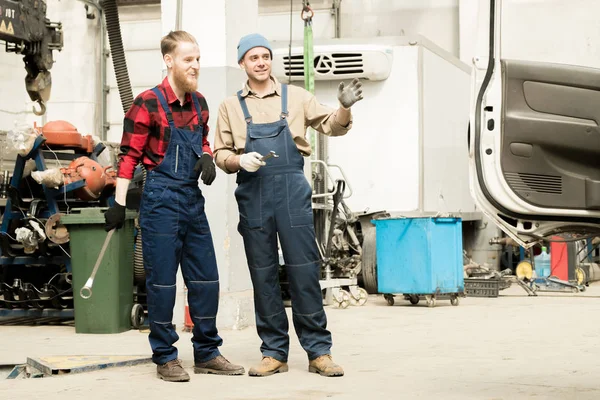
(184, 81)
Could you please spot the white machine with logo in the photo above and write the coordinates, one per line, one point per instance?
(406, 153)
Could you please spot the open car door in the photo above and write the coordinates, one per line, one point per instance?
(534, 144)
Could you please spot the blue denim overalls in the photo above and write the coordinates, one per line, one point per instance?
(176, 231)
(276, 200)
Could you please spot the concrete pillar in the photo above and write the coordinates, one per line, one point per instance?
(218, 26)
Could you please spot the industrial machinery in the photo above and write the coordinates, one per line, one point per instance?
(56, 169)
(34, 252)
(26, 31)
(339, 238)
(573, 265)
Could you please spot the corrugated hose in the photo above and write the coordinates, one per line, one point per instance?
(113, 28)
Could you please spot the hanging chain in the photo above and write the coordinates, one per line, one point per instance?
(307, 13)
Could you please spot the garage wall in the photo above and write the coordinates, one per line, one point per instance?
(543, 30)
(276, 25)
(435, 19)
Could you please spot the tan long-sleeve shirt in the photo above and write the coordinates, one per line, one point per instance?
(304, 111)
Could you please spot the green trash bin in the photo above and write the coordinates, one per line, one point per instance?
(110, 308)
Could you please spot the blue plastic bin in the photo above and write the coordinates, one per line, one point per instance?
(419, 256)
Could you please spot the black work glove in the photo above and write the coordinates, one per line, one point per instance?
(207, 166)
(114, 217)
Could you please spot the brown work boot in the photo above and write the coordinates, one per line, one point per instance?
(268, 366)
(218, 366)
(172, 371)
(325, 366)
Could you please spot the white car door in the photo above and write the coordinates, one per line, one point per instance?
(534, 143)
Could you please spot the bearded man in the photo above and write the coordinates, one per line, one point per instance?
(166, 129)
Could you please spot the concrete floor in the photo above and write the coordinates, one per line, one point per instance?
(512, 347)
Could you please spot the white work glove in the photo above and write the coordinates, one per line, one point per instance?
(251, 162)
(349, 95)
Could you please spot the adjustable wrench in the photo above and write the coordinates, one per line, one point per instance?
(86, 291)
(271, 154)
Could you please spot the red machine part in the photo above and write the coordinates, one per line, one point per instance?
(62, 134)
(559, 259)
(97, 178)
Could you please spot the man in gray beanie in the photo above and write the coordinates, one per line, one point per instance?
(274, 200)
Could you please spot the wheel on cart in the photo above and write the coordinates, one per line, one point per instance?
(369, 261)
(454, 300)
(430, 300)
(389, 298)
(414, 299)
(137, 316)
(343, 300)
(363, 296)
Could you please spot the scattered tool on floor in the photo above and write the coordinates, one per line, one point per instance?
(73, 364)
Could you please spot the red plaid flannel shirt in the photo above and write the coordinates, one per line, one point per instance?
(146, 131)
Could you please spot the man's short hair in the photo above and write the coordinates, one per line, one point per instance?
(169, 43)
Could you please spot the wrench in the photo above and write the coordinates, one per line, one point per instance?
(86, 291)
(271, 154)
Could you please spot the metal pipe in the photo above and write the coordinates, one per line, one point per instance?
(322, 142)
(178, 15)
(336, 16)
(104, 89)
(505, 241)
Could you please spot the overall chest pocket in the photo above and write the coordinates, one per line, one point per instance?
(274, 137)
(265, 137)
(180, 160)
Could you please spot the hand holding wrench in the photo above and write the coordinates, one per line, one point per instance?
(271, 154)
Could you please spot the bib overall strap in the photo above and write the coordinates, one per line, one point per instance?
(198, 108)
(247, 115)
(165, 106)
